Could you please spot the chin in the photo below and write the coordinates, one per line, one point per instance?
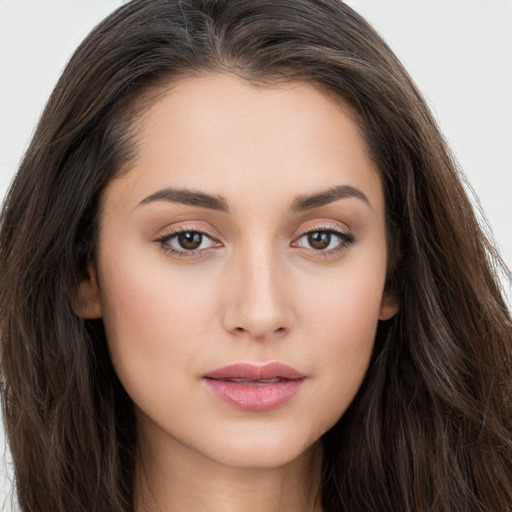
(263, 452)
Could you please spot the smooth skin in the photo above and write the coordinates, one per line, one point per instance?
(249, 228)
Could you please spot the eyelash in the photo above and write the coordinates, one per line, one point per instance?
(167, 238)
(345, 241)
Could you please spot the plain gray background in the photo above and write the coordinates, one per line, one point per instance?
(458, 51)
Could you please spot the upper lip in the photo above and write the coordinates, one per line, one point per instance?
(252, 371)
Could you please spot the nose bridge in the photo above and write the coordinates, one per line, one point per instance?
(258, 304)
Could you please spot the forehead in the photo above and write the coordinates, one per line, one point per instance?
(222, 134)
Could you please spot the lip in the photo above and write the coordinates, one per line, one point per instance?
(255, 387)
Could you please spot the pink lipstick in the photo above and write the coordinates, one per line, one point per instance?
(253, 387)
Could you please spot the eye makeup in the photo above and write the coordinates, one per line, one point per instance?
(327, 241)
(324, 238)
(188, 241)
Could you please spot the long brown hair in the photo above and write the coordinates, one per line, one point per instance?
(431, 427)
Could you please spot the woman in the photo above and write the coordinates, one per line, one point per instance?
(239, 270)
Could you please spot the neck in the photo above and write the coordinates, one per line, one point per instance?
(187, 481)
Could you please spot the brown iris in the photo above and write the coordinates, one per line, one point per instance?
(190, 240)
(319, 239)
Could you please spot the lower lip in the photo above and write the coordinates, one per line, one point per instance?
(255, 397)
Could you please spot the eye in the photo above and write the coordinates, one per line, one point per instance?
(325, 240)
(187, 242)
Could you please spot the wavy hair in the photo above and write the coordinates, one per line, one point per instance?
(431, 426)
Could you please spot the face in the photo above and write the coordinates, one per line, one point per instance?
(240, 269)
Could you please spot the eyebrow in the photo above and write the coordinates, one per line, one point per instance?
(189, 198)
(215, 202)
(309, 202)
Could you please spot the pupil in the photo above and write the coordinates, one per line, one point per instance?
(319, 239)
(190, 240)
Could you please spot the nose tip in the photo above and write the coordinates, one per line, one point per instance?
(258, 314)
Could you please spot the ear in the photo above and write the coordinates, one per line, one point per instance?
(88, 301)
(389, 305)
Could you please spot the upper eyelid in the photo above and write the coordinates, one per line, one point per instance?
(184, 227)
(211, 232)
(322, 226)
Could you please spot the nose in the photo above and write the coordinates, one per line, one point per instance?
(259, 305)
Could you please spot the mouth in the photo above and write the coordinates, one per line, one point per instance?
(253, 382)
(254, 387)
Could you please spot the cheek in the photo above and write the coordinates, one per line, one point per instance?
(345, 306)
(342, 319)
(154, 321)
(346, 333)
